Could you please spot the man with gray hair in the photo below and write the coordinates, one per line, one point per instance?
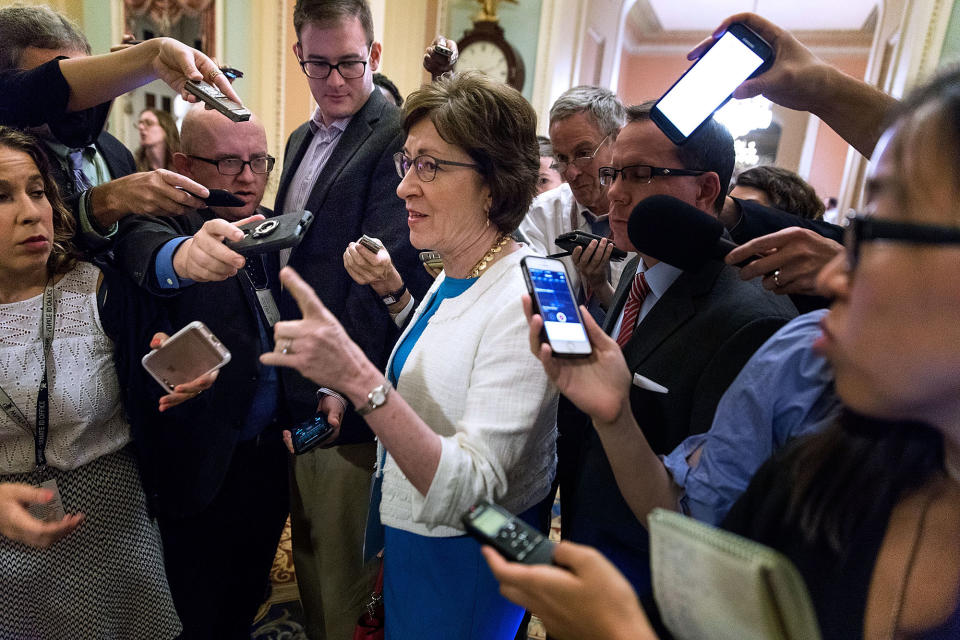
(95, 172)
(583, 123)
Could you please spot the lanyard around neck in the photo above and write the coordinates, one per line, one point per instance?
(43, 405)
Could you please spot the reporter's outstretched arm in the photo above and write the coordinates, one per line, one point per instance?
(800, 80)
(584, 598)
(97, 79)
(599, 385)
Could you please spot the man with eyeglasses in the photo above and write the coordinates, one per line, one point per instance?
(215, 468)
(583, 123)
(685, 335)
(340, 166)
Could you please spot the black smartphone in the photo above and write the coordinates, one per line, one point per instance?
(706, 86)
(441, 50)
(516, 540)
(212, 96)
(573, 239)
(310, 433)
(272, 234)
(549, 289)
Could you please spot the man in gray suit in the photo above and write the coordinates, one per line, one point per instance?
(339, 165)
(686, 334)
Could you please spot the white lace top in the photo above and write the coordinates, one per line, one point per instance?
(86, 418)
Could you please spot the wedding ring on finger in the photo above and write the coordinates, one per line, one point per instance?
(287, 346)
(776, 277)
(213, 76)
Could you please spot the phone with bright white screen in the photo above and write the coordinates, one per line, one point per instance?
(549, 289)
(706, 86)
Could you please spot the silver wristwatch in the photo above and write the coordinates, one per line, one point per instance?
(375, 399)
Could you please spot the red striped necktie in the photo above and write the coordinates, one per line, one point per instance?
(631, 310)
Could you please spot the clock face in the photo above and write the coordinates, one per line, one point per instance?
(486, 57)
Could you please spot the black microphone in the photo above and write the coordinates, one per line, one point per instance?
(675, 232)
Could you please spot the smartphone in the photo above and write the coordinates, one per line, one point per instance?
(706, 86)
(265, 236)
(573, 239)
(549, 289)
(516, 540)
(186, 355)
(211, 95)
(432, 259)
(218, 198)
(370, 244)
(310, 433)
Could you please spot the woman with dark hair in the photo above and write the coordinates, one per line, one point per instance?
(64, 434)
(549, 177)
(159, 140)
(465, 413)
(868, 510)
(779, 188)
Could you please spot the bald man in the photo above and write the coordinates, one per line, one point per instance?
(215, 468)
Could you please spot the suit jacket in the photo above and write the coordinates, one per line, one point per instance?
(694, 342)
(185, 452)
(355, 194)
(119, 162)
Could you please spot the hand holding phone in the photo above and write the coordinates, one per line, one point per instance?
(516, 540)
(573, 239)
(738, 54)
(185, 356)
(552, 298)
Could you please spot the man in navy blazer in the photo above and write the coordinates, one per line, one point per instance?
(685, 334)
(339, 165)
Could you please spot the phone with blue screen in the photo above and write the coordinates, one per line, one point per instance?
(553, 299)
(310, 433)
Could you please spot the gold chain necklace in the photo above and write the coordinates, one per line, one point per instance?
(488, 257)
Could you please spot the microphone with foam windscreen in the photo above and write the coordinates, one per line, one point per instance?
(675, 232)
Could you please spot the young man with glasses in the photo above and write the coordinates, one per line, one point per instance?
(685, 335)
(215, 468)
(340, 166)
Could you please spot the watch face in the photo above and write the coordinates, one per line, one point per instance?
(486, 57)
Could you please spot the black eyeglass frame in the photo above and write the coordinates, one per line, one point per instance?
(334, 67)
(561, 166)
(655, 172)
(866, 228)
(271, 162)
(399, 157)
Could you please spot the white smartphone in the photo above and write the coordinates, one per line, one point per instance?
(706, 86)
(186, 355)
(553, 299)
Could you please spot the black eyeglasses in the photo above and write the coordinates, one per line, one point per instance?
(864, 228)
(642, 173)
(234, 166)
(348, 69)
(581, 159)
(424, 165)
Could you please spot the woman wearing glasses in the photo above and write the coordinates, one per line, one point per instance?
(465, 412)
(869, 509)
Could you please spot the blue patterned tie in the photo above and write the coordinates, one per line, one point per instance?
(80, 180)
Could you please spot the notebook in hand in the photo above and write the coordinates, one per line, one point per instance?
(716, 585)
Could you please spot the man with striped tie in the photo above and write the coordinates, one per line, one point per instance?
(685, 334)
